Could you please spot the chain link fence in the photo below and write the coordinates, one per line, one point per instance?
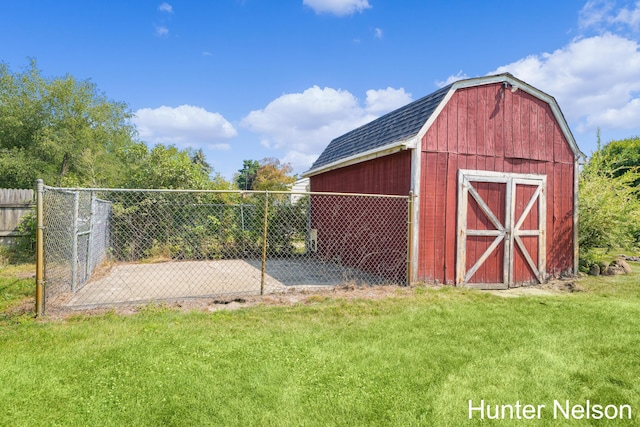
(108, 247)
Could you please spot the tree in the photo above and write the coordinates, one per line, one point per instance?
(198, 158)
(609, 206)
(273, 175)
(171, 168)
(266, 174)
(245, 176)
(62, 130)
(619, 157)
(70, 134)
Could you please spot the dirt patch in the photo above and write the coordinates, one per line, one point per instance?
(285, 298)
(26, 307)
(551, 288)
(25, 275)
(293, 297)
(564, 285)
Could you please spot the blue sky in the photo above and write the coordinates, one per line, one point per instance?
(248, 79)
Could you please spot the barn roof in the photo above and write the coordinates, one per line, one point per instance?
(397, 130)
(397, 125)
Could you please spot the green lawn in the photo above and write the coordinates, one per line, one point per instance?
(416, 358)
(16, 284)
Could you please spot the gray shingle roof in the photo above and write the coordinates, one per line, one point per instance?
(397, 125)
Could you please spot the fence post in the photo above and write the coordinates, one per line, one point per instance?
(40, 247)
(410, 238)
(264, 241)
(74, 243)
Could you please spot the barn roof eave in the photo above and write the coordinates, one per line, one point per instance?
(394, 147)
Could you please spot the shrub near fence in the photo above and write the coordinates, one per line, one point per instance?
(108, 246)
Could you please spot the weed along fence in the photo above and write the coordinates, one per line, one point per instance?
(105, 247)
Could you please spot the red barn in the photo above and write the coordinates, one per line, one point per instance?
(493, 167)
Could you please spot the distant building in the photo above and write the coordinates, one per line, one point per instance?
(301, 185)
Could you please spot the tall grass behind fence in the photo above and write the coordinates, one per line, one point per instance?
(14, 205)
(107, 246)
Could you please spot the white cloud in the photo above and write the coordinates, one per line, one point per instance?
(185, 126)
(594, 14)
(625, 117)
(302, 124)
(378, 33)
(452, 78)
(337, 7)
(630, 17)
(161, 31)
(600, 15)
(384, 100)
(165, 7)
(595, 80)
(300, 160)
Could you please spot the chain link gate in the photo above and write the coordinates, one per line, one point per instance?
(109, 247)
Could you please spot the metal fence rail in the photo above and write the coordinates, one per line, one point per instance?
(106, 247)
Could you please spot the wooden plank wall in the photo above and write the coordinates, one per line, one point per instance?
(367, 233)
(349, 226)
(14, 204)
(385, 175)
(491, 128)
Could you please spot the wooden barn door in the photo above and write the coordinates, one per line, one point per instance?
(501, 229)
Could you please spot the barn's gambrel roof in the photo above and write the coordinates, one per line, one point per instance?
(397, 125)
(402, 128)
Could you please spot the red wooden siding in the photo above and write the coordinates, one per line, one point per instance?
(490, 128)
(384, 175)
(366, 233)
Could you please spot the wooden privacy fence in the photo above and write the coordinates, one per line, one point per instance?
(14, 204)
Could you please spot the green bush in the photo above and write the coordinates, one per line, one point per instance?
(609, 211)
(214, 226)
(24, 249)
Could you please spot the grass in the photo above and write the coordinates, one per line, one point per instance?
(412, 359)
(16, 284)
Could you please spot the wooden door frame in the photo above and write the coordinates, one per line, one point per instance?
(509, 232)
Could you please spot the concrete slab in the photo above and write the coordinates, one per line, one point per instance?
(139, 283)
